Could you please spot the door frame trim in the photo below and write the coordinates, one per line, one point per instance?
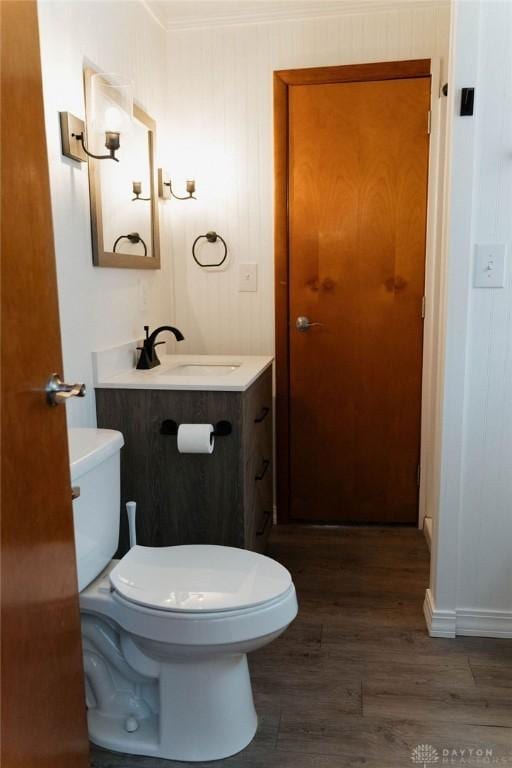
(283, 80)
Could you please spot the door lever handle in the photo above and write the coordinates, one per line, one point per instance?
(303, 323)
(58, 391)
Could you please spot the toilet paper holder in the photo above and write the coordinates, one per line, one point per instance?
(220, 429)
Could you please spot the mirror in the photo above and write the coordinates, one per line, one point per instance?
(124, 208)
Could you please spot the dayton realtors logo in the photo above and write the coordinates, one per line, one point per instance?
(425, 755)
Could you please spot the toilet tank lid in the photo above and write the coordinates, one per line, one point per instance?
(88, 447)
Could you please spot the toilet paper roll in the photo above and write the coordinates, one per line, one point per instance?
(195, 438)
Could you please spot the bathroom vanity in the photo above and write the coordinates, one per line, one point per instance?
(225, 497)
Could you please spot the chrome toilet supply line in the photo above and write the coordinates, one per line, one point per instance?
(220, 429)
(211, 237)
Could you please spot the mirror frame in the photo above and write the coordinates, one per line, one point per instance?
(101, 257)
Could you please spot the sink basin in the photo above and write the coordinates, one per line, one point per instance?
(198, 369)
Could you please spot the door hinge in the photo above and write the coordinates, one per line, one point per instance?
(423, 304)
(429, 121)
(418, 475)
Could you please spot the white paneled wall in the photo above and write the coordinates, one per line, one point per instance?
(98, 307)
(486, 528)
(471, 591)
(220, 131)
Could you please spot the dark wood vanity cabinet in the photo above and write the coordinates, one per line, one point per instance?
(222, 498)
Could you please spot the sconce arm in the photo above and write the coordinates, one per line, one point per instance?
(112, 156)
(190, 195)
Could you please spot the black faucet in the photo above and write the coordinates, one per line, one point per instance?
(148, 357)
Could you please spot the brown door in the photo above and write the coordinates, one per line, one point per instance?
(43, 721)
(357, 180)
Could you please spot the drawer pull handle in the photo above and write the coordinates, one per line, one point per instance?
(262, 415)
(263, 528)
(266, 465)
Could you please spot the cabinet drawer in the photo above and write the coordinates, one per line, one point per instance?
(258, 500)
(258, 417)
(258, 400)
(263, 521)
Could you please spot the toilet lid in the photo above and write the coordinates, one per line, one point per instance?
(198, 578)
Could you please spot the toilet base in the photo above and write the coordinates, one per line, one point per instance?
(206, 713)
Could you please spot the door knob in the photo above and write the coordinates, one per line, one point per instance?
(58, 392)
(303, 323)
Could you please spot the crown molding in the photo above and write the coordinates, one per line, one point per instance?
(176, 15)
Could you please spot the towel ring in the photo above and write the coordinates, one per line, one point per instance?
(212, 237)
(134, 238)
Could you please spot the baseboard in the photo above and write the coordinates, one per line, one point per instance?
(484, 623)
(427, 532)
(466, 622)
(439, 623)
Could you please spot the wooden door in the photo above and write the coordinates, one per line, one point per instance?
(43, 722)
(357, 185)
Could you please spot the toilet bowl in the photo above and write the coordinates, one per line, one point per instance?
(166, 630)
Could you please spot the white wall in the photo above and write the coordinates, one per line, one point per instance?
(472, 568)
(220, 120)
(98, 307)
(485, 567)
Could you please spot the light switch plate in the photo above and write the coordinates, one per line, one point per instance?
(489, 265)
(248, 277)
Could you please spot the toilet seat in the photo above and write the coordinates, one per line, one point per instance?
(191, 630)
(198, 579)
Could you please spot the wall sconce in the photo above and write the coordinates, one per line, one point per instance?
(109, 108)
(191, 188)
(137, 191)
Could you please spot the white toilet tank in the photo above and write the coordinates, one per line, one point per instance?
(95, 468)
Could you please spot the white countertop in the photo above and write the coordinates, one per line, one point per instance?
(246, 369)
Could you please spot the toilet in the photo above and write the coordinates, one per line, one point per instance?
(166, 630)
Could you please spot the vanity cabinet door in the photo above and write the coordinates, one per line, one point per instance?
(181, 498)
(224, 498)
